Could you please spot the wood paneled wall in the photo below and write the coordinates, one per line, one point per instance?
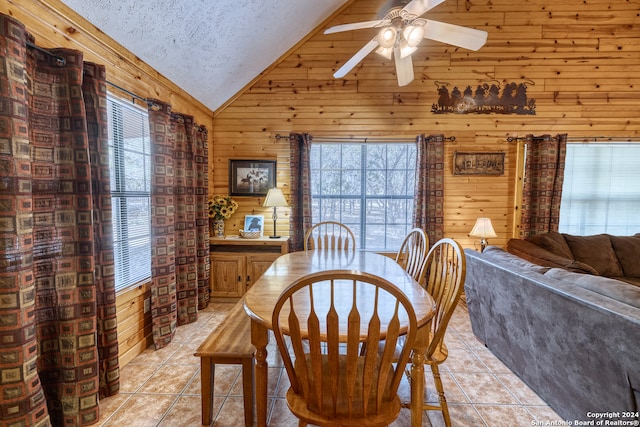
(580, 60)
(55, 25)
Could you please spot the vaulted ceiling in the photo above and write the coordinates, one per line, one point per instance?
(210, 48)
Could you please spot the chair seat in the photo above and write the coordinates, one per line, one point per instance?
(386, 414)
(439, 355)
(298, 406)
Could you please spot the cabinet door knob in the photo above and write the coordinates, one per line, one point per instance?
(239, 278)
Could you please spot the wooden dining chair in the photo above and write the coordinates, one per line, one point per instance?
(329, 235)
(413, 252)
(328, 315)
(444, 275)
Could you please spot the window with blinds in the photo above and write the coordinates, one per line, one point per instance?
(130, 168)
(601, 191)
(368, 187)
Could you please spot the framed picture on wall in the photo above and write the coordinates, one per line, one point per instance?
(254, 223)
(251, 177)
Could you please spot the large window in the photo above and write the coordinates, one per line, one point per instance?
(601, 191)
(368, 187)
(130, 168)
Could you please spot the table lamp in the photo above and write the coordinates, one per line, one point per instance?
(483, 229)
(274, 199)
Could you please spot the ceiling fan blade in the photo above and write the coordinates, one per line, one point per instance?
(355, 26)
(355, 59)
(420, 7)
(468, 38)
(404, 68)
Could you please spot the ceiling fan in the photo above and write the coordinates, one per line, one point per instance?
(401, 30)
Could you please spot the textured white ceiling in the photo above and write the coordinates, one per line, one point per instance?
(210, 48)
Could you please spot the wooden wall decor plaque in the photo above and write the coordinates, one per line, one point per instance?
(485, 99)
(489, 163)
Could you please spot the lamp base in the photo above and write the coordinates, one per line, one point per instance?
(275, 218)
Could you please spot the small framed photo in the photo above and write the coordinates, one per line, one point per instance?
(251, 177)
(254, 223)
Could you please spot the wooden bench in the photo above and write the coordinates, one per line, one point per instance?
(230, 344)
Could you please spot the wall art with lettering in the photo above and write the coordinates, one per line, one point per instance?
(490, 163)
(487, 98)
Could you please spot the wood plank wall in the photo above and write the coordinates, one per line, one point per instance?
(580, 60)
(53, 24)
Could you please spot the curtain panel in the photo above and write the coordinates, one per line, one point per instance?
(179, 221)
(428, 212)
(58, 339)
(542, 187)
(300, 198)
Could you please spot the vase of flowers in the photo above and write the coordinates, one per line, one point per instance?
(220, 208)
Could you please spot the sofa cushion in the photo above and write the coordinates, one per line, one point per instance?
(627, 249)
(533, 253)
(553, 242)
(597, 252)
(612, 288)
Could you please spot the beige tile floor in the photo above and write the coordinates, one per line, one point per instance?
(162, 388)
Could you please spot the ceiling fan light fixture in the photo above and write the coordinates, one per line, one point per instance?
(406, 50)
(413, 34)
(387, 37)
(385, 51)
(401, 28)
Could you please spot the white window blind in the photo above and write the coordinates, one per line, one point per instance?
(601, 190)
(130, 168)
(368, 187)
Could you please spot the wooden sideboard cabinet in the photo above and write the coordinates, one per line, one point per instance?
(236, 262)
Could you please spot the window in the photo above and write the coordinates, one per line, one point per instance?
(130, 168)
(600, 193)
(368, 187)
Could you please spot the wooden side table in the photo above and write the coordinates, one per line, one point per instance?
(236, 263)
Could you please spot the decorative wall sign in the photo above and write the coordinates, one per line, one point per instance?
(486, 99)
(491, 163)
(251, 177)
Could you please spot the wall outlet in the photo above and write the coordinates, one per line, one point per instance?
(147, 305)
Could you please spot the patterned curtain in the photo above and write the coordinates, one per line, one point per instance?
(179, 221)
(58, 339)
(300, 219)
(428, 212)
(543, 178)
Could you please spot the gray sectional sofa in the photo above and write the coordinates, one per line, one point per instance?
(574, 338)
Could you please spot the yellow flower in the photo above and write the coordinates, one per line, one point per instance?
(222, 207)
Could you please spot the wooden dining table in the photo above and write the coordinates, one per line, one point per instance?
(261, 298)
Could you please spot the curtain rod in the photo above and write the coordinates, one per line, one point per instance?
(152, 105)
(60, 61)
(578, 138)
(602, 138)
(138, 97)
(361, 139)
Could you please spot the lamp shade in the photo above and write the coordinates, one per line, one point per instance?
(274, 198)
(483, 229)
